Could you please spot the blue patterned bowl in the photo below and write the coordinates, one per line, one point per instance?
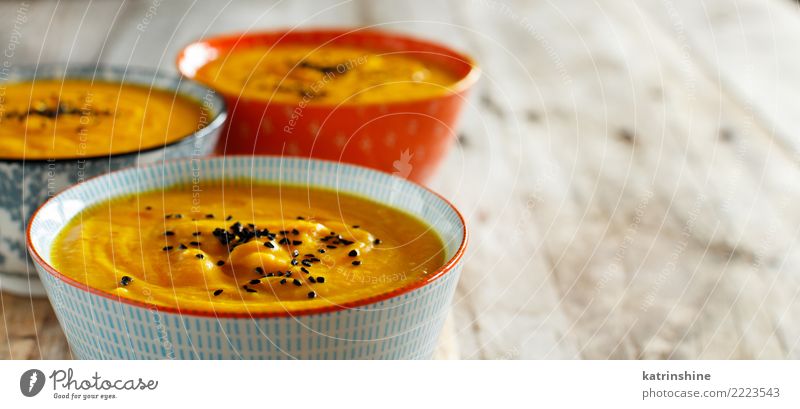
(402, 324)
(25, 184)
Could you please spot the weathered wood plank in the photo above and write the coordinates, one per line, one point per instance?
(655, 191)
(29, 329)
(57, 32)
(705, 179)
(747, 46)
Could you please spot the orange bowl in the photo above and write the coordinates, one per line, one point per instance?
(406, 138)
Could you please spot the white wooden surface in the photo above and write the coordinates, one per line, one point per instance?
(628, 169)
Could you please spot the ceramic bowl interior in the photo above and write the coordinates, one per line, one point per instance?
(140, 76)
(439, 214)
(194, 56)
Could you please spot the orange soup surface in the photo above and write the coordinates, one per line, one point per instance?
(54, 119)
(236, 248)
(325, 74)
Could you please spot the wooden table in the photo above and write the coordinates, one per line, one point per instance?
(629, 170)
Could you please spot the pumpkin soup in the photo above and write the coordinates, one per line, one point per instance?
(327, 74)
(53, 119)
(243, 248)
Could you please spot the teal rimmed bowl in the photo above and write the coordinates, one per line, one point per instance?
(400, 324)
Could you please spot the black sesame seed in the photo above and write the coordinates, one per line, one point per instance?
(347, 242)
(320, 279)
(279, 274)
(217, 292)
(229, 218)
(169, 233)
(269, 244)
(296, 232)
(125, 280)
(221, 263)
(224, 237)
(355, 226)
(294, 262)
(209, 216)
(251, 225)
(259, 270)
(283, 232)
(356, 263)
(255, 281)
(330, 247)
(314, 260)
(308, 255)
(377, 241)
(305, 270)
(295, 253)
(178, 216)
(283, 281)
(353, 253)
(167, 216)
(300, 218)
(182, 247)
(297, 282)
(288, 274)
(197, 233)
(311, 279)
(249, 290)
(283, 241)
(200, 256)
(297, 242)
(312, 294)
(270, 274)
(167, 248)
(321, 251)
(194, 243)
(148, 208)
(306, 263)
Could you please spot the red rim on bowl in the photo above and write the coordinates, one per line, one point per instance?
(440, 272)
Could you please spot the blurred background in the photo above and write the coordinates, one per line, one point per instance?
(628, 169)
